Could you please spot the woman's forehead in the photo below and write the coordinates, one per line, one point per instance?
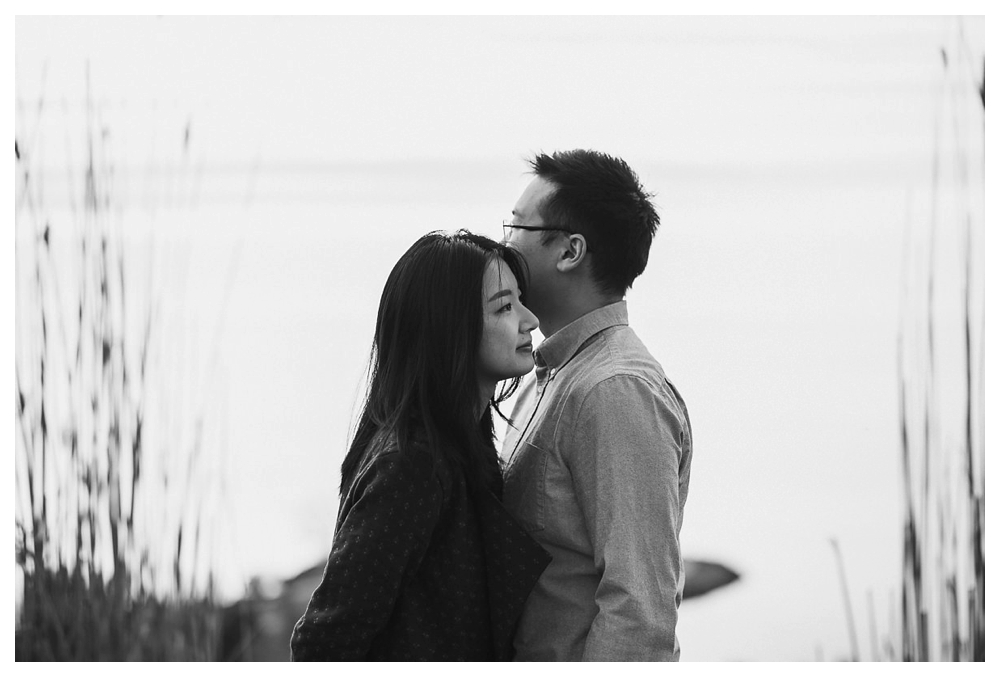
(497, 276)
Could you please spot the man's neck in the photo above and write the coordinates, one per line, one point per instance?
(573, 309)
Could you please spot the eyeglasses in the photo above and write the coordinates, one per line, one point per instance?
(508, 227)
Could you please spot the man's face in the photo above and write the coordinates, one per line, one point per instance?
(539, 258)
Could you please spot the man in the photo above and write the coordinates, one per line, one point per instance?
(599, 453)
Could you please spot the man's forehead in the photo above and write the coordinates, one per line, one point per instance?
(534, 196)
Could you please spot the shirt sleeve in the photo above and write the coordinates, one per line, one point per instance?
(380, 541)
(626, 454)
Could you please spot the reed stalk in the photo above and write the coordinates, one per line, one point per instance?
(87, 546)
(941, 434)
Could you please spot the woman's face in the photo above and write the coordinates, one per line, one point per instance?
(505, 349)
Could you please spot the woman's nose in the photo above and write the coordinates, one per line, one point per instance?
(529, 320)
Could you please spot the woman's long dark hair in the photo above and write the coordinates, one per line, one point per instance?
(422, 372)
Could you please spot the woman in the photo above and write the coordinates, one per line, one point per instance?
(426, 564)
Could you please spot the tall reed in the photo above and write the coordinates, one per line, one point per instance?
(109, 539)
(941, 387)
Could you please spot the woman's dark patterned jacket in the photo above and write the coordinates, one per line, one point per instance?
(422, 568)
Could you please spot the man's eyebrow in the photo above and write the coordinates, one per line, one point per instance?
(502, 292)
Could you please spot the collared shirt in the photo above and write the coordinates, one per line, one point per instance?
(598, 465)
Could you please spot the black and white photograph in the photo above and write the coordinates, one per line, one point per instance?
(529, 336)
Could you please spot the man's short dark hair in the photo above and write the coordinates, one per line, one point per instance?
(600, 197)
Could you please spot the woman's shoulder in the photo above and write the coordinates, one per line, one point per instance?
(412, 459)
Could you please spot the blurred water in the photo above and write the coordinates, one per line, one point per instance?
(773, 310)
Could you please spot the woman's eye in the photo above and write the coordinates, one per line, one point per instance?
(507, 307)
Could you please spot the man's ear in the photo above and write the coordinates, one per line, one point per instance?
(573, 252)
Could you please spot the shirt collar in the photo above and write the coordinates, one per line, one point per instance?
(558, 349)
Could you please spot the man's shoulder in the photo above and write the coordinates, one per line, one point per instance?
(618, 362)
(615, 352)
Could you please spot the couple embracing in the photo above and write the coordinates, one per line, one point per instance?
(565, 546)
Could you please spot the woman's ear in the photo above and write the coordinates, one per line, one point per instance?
(573, 252)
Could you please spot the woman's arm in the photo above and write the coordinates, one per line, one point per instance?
(381, 540)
